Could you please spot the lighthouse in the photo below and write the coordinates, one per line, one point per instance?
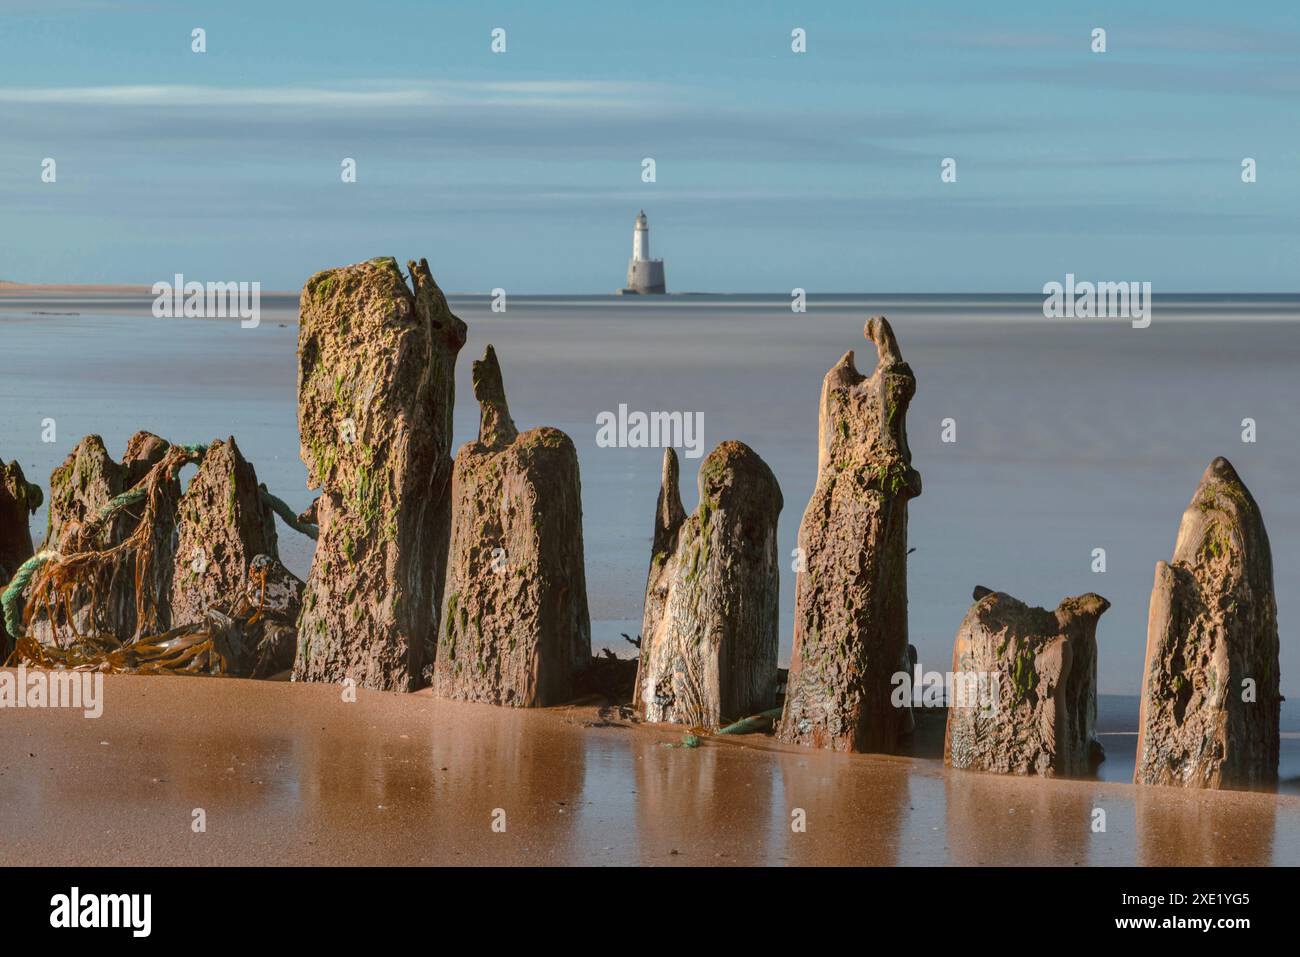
(645, 276)
(641, 239)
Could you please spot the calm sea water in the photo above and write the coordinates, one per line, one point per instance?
(1071, 434)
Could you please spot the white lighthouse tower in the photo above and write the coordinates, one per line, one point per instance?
(645, 276)
(641, 239)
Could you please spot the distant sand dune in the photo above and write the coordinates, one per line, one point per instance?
(7, 287)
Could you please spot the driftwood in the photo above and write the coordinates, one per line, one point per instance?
(105, 598)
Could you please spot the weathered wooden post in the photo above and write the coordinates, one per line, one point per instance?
(1210, 690)
(515, 627)
(224, 524)
(850, 630)
(1025, 687)
(711, 627)
(80, 489)
(376, 366)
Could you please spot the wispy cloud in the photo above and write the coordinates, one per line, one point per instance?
(523, 120)
(364, 94)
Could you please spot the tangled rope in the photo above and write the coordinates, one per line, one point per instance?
(89, 567)
(84, 564)
(213, 646)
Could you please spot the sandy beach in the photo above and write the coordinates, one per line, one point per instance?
(1052, 465)
(290, 773)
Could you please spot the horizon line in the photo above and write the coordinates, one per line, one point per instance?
(11, 286)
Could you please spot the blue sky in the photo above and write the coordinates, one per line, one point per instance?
(774, 170)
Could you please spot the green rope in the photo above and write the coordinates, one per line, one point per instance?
(278, 505)
(754, 724)
(126, 498)
(13, 594)
(287, 515)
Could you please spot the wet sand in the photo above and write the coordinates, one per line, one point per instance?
(292, 774)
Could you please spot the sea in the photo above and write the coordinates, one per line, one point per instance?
(1039, 441)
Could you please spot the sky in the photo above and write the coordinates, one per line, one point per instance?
(523, 170)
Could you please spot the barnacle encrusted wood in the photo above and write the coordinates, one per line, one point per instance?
(376, 366)
(711, 627)
(1210, 690)
(224, 524)
(850, 633)
(515, 627)
(1025, 687)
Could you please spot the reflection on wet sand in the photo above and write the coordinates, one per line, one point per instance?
(523, 774)
(705, 805)
(288, 774)
(1204, 828)
(995, 820)
(294, 774)
(854, 807)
